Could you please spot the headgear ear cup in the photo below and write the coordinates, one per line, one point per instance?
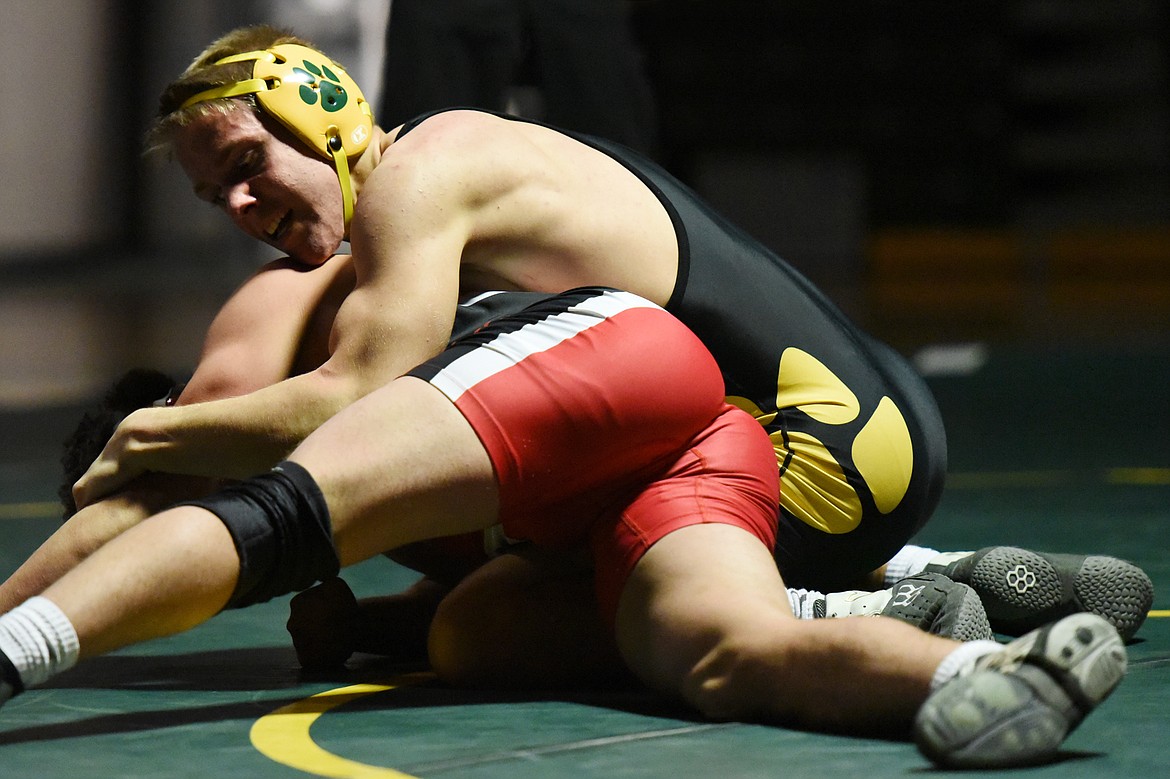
(310, 95)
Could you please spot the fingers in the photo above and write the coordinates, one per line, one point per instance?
(322, 625)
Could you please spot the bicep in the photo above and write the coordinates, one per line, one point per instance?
(408, 241)
(379, 334)
(253, 340)
(230, 369)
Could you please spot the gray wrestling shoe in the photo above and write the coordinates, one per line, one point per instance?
(929, 601)
(1016, 705)
(1023, 590)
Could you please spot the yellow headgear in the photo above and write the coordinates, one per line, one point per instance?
(310, 95)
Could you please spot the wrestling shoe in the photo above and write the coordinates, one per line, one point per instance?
(929, 601)
(1022, 590)
(1015, 706)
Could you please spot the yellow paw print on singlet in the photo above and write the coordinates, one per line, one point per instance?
(813, 484)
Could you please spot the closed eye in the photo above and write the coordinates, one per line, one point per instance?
(249, 163)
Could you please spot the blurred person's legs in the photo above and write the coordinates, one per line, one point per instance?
(449, 53)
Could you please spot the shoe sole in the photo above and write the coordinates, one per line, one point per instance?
(1022, 590)
(1019, 714)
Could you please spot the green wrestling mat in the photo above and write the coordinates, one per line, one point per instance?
(1051, 449)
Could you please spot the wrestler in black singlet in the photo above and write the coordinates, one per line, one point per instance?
(858, 437)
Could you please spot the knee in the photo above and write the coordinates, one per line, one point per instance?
(463, 644)
(773, 674)
(280, 525)
(447, 648)
(732, 679)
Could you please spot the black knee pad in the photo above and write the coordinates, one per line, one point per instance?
(281, 528)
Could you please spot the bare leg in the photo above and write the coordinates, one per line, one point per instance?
(89, 529)
(165, 575)
(398, 466)
(705, 617)
(71, 543)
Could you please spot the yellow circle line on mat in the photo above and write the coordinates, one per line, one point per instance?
(1148, 476)
(37, 510)
(283, 735)
(1160, 613)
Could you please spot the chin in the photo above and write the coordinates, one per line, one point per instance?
(316, 254)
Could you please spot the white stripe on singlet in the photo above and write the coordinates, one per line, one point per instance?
(509, 348)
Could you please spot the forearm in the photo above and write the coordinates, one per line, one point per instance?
(328, 624)
(242, 436)
(232, 438)
(397, 626)
(236, 437)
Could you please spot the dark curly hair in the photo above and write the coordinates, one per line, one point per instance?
(136, 389)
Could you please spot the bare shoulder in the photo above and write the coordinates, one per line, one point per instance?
(456, 126)
(256, 336)
(474, 150)
(513, 204)
(284, 285)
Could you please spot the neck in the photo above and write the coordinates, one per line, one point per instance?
(360, 170)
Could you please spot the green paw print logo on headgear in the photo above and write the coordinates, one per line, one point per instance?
(323, 81)
(343, 132)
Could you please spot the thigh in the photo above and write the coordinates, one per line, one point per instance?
(398, 466)
(705, 617)
(726, 475)
(694, 590)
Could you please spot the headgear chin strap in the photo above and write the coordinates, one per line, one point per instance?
(310, 95)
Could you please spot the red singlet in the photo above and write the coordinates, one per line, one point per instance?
(605, 421)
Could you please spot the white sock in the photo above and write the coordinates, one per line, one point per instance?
(39, 640)
(908, 561)
(803, 602)
(960, 660)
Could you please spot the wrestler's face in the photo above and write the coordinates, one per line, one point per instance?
(273, 187)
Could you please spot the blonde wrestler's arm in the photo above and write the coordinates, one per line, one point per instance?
(408, 236)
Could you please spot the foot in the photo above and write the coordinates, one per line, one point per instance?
(929, 601)
(1023, 590)
(1015, 707)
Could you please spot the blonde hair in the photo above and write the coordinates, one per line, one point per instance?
(203, 74)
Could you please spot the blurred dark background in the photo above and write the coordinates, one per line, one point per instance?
(952, 173)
